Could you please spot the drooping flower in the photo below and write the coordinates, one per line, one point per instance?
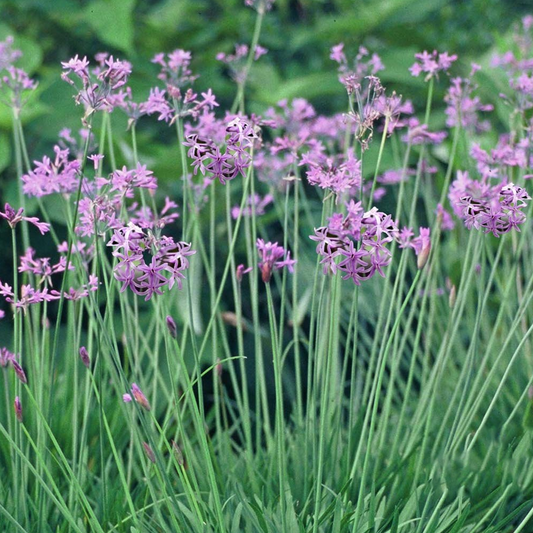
(14, 217)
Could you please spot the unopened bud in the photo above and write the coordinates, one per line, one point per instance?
(19, 371)
(452, 297)
(178, 452)
(84, 356)
(172, 328)
(266, 272)
(139, 396)
(18, 409)
(149, 452)
(423, 256)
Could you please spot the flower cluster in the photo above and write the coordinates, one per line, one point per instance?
(225, 165)
(495, 209)
(432, 63)
(174, 101)
(338, 178)
(236, 62)
(15, 83)
(60, 175)
(364, 66)
(98, 83)
(254, 205)
(356, 243)
(272, 256)
(463, 108)
(147, 263)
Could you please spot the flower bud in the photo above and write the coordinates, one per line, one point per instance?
(18, 409)
(149, 452)
(19, 371)
(452, 297)
(139, 396)
(172, 328)
(423, 256)
(84, 356)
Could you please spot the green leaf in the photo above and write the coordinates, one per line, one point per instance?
(112, 20)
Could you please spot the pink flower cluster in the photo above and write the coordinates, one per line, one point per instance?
(356, 243)
(496, 209)
(146, 263)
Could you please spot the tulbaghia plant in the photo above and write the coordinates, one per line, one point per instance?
(351, 347)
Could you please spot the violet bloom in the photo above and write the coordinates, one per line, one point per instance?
(60, 175)
(15, 85)
(97, 84)
(273, 256)
(234, 160)
(14, 217)
(28, 296)
(7, 54)
(431, 63)
(149, 452)
(147, 264)
(262, 6)
(171, 326)
(175, 100)
(339, 179)
(419, 134)
(495, 209)
(236, 62)
(240, 271)
(463, 108)
(355, 243)
(6, 357)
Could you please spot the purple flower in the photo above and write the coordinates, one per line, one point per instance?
(97, 84)
(165, 267)
(355, 243)
(240, 271)
(14, 217)
(496, 209)
(6, 357)
(273, 256)
(432, 64)
(462, 108)
(60, 175)
(339, 179)
(149, 452)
